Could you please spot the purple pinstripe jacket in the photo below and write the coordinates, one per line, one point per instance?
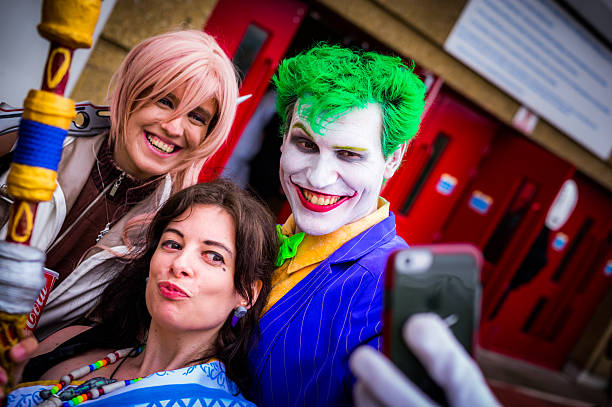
(301, 358)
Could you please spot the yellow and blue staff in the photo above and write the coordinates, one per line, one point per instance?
(67, 24)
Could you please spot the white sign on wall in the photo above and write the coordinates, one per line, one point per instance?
(537, 53)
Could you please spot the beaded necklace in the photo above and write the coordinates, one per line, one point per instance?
(91, 389)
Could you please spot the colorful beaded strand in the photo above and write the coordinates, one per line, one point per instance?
(84, 370)
(97, 392)
(87, 391)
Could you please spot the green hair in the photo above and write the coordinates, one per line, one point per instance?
(328, 80)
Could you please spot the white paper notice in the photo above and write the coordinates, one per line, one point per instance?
(536, 52)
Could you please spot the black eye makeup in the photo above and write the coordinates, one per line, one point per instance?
(350, 156)
(304, 144)
(166, 101)
(170, 244)
(214, 257)
(198, 118)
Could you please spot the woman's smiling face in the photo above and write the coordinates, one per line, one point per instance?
(334, 179)
(156, 141)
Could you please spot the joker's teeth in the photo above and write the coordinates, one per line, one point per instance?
(160, 145)
(320, 200)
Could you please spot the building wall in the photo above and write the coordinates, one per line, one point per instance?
(131, 22)
(418, 29)
(24, 51)
(589, 354)
(414, 29)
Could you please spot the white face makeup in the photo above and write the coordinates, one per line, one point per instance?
(334, 179)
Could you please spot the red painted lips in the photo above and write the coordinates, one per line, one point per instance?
(324, 201)
(171, 291)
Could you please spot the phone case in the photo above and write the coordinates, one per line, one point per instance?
(443, 279)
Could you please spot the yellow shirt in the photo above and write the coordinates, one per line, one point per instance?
(314, 249)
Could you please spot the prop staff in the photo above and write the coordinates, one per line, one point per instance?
(67, 24)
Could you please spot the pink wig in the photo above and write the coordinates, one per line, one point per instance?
(156, 67)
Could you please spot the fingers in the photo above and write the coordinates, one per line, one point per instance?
(23, 350)
(435, 346)
(381, 380)
(19, 354)
(446, 361)
(3, 381)
(362, 397)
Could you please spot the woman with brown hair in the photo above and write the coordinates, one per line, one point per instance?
(182, 312)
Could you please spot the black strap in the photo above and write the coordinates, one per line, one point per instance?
(90, 339)
(5, 162)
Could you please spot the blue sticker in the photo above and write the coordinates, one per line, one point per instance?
(446, 184)
(480, 202)
(559, 241)
(608, 268)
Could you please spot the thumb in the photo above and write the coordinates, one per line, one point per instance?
(447, 362)
(23, 350)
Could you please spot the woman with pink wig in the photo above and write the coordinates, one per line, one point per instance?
(172, 103)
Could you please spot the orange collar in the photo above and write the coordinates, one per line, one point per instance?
(315, 249)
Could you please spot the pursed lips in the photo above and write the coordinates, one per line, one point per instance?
(172, 290)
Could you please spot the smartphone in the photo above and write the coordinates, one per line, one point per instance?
(443, 279)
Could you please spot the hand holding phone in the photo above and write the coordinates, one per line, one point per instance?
(381, 384)
(440, 279)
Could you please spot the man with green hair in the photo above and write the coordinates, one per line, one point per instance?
(347, 116)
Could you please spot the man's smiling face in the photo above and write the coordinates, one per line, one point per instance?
(334, 179)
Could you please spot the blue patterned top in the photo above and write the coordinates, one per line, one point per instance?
(204, 385)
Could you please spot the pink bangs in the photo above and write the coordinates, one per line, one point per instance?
(159, 65)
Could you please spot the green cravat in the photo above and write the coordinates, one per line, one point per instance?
(288, 245)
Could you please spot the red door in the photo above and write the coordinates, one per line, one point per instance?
(505, 205)
(438, 166)
(503, 212)
(541, 321)
(255, 34)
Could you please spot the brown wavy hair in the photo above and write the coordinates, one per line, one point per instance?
(122, 308)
